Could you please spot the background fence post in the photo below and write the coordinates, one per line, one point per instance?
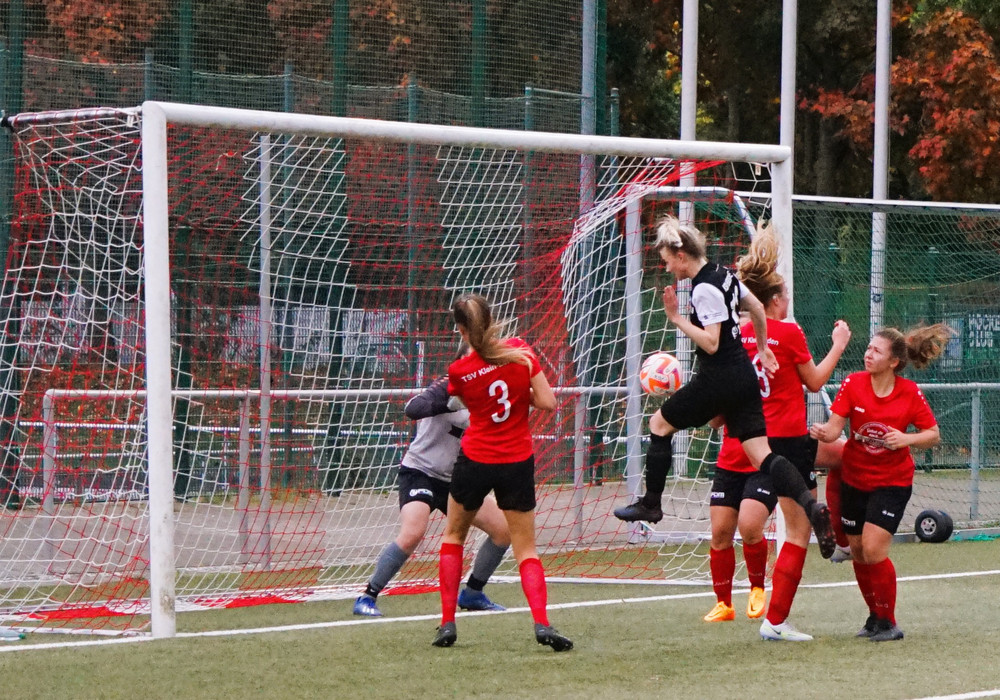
(341, 29)
(185, 46)
(12, 76)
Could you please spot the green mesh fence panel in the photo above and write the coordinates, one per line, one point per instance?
(942, 264)
(472, 62)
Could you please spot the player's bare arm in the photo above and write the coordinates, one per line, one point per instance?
(542, 396)
(814, 376)
(706, 338)
(829, 431)
(924, 439)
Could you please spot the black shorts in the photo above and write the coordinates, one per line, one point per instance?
(414, 485)
(731, 488)
(732, 391)
(513, 484)
(800, 451)
(883, 507)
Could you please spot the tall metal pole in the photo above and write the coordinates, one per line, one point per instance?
(689, 113)
(880, 174)
(783, 173)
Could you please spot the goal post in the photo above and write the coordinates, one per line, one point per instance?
(170, 260)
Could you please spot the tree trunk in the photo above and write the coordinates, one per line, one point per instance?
(733, 123)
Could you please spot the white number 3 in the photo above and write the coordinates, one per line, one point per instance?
(499, 389)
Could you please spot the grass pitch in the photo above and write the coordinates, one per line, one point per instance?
(631, 641)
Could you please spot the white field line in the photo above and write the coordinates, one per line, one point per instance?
(14, 646)
(962, 696)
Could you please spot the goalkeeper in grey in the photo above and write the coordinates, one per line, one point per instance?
(424, 478)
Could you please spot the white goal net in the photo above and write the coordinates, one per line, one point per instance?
(212, 319)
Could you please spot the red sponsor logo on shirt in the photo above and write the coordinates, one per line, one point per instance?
(872, 437)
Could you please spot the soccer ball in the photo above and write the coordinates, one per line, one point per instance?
(660, 374)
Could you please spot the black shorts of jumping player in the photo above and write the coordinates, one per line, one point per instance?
(881, 506)
(800, 451)
(513, 484)
(731, 488)
(732, 391)
(414, 485)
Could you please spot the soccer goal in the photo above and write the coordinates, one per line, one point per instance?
(213, 318)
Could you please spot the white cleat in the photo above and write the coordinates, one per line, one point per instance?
(783, 632)
(841, 554)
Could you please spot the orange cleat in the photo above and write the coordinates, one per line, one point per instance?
(720, 613)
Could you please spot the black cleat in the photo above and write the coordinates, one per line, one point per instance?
(869, 629)
(819, 516)
(885, 631)
(639, 511)
(550, 637)
(446, 635)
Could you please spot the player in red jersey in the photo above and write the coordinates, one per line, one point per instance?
(879, 405)
(787, 433)
(498, 381)
(743, 498)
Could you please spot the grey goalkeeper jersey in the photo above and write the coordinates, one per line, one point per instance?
(439, 432)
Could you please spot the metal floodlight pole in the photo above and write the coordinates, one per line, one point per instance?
(880, 174)
(782, 182)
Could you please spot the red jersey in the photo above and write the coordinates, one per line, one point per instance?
(868, 464)
(784, 400)
(498, 398)
(732, 457)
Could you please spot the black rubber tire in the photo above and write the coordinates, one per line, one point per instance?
(933, 526)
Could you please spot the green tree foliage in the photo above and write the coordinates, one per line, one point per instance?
(644, 63)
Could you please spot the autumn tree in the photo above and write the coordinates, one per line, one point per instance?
(945, 94)
(946, 108)
(105, 31)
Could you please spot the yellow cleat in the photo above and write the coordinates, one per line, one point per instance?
(720, 613)
(756, 603)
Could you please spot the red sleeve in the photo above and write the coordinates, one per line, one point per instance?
(797, 345)
(844, 402)
(536, 366)
(923, 416)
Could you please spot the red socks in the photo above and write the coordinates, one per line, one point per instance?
(862, 572)
(833, 503)
(878, 586)
(533, 585)
(723, 565)
(785, 581)
(755, 555)
(450, 576)
(883, 578)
